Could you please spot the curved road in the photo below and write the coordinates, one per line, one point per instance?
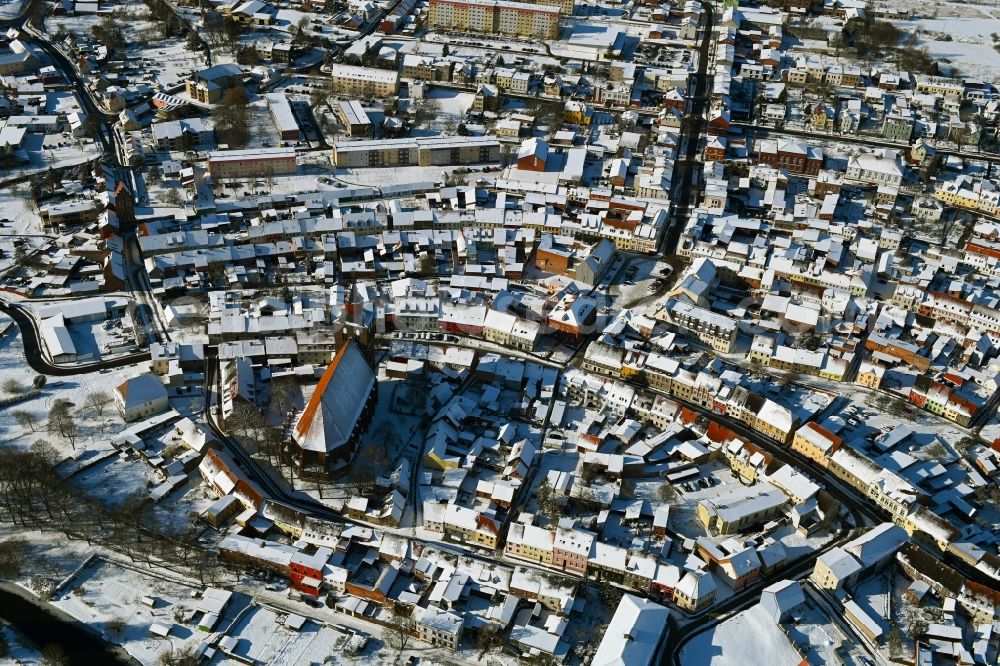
(274, 490)
(31, 338)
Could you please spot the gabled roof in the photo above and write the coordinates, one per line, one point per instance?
(328, 419)
(140, 389)
(633, 634)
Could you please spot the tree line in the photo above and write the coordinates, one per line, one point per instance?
(34, 496)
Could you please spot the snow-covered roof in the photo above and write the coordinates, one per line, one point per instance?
(633, 634)
(335, 406)
(140, 389)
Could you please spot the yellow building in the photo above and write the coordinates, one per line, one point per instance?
(577, 113)
(774, 421)
(815, 442)
(870, 375)
(529, 542)
(497, 16)
(363, 82)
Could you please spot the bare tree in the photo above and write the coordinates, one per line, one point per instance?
(184, 656)
(247, 421)
(116, 625)
(428, 112)
(232, 117)
(399, 633)
(171, 197)
(98, 401)
(282, 394)
(24, 418)
(13, 557)
(367, 466)
(548, 502)
(71, 431)
(914, 621)
(487, 639)
(12, 386)
(59, 417)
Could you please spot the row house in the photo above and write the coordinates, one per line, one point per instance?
(792, 156)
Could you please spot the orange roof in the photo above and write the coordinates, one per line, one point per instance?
(817, 428)
(309, 413)
(687, 416)
(718, 433)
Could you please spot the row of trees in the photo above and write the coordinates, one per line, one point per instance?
(882, 39)
(221, 30)
(33, 495)
(109, 33)
(264, 439)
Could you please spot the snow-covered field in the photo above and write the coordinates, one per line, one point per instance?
(106, 592)
(167, 62)
(262, 638)
(96, 430)
(20, 218)
(962, 44)
(19, 648)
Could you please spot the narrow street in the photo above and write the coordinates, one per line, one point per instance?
(687, 166)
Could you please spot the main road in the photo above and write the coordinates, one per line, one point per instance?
(686, 166)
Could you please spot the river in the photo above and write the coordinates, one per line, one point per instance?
(44, 624)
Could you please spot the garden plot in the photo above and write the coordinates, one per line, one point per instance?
(173, 63)
(108, 596)
(262, 637)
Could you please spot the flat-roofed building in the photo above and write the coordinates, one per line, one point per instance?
(69, 212)
(422, 151)
(352, 116)
(364, 81)
(283, 117)
(252, 163)
(497, 16)
(447, 150)
(375, 153)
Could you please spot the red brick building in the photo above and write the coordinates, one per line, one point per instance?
(791, 156)
(532, 155)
